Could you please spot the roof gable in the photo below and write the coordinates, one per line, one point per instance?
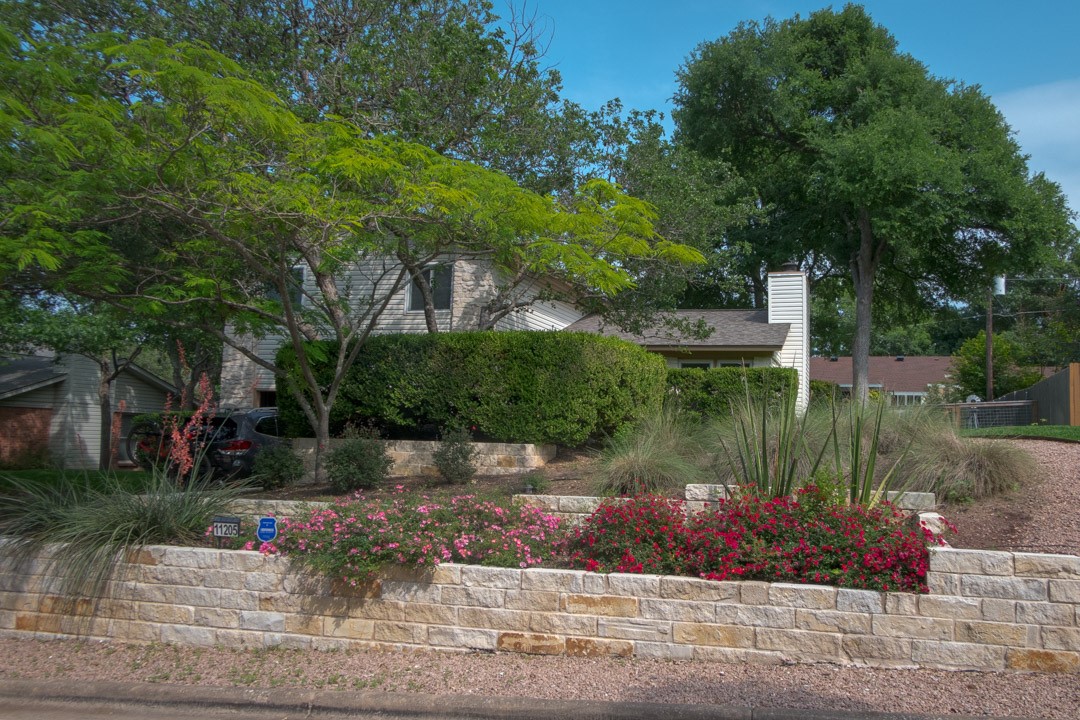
(23, 374)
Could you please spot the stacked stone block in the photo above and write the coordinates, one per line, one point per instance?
(576, 509)
(989, 611)
(417, 457)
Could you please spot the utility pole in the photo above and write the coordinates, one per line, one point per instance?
(989, 345)
(998, 288)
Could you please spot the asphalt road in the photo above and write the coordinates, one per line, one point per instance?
(53, 700)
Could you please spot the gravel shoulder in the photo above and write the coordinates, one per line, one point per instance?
(1039, 516)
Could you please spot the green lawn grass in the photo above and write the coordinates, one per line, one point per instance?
(1050, 432)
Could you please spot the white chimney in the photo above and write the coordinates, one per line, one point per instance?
(789, 302)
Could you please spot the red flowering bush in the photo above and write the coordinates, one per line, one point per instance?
(642, 534)
(801, 538)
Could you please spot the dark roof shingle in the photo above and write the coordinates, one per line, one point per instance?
(734, 329)
(23, 374)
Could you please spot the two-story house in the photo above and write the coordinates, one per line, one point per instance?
(467, 294)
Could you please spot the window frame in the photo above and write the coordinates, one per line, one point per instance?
(414, 299)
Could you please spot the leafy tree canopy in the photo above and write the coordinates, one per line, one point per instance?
(860, 156)
(968, 373)
(165, 180)
(447, 74)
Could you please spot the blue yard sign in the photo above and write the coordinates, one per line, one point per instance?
(267, 529)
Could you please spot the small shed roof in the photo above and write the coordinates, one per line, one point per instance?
(731, 330)
(22, 374)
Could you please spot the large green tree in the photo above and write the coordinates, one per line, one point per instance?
(447, 74)
(241, 193)
(860, 155)
(968, 371)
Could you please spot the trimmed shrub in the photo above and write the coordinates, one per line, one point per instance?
(358, 462)
(277, 466)
(702, 394)
(538, 387)
(454, 456)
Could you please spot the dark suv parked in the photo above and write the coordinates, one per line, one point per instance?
(229, 442)
(239, 439)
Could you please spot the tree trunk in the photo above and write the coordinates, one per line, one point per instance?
(322, 439)
(105, 407)
(864, 265)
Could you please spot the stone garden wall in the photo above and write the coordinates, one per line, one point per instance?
(987, 610)
(575, 509)
(417, 457)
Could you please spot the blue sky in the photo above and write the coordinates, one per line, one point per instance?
(1024, 54)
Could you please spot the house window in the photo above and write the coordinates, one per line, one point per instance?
(295, 288)
(701, 365)
(440, 278)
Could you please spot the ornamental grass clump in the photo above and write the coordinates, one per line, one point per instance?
(357, 537)
(94, 520)
(659, 454)
(960, 468)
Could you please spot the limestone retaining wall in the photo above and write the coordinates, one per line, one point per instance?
(416, 457)
(575, 509)
(987, 610)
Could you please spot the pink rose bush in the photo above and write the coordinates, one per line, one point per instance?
(356, 537)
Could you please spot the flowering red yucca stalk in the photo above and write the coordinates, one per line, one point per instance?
(186, 442)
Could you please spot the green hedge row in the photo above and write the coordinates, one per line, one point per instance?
(711, 393)
(542, 387)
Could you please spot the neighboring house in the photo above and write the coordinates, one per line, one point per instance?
(776, 337)
(906, 380)
(49, 408)
(468, 290)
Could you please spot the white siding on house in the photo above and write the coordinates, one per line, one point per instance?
(788, 303)
(474, 285)
(75, 436)
(75, 430)
(137, 396)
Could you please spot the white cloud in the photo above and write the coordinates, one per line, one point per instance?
(1046, 119)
